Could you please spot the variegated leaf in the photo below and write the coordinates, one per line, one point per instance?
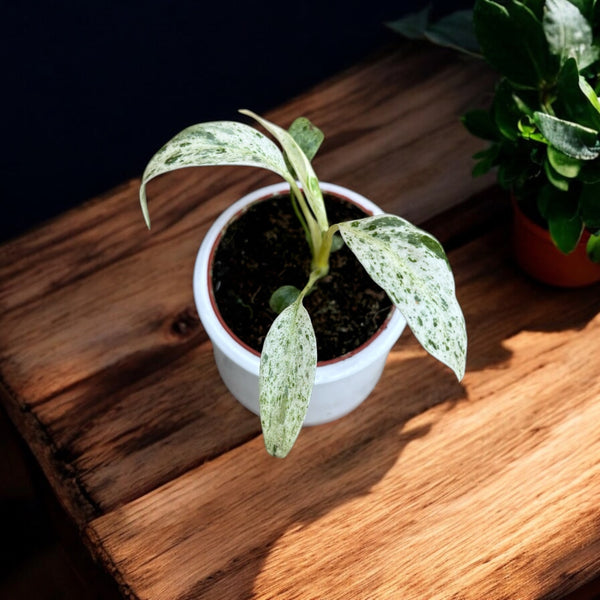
(569, 33)
(214, 143)
(302, 166)
(288, 364)
(411, 266)
(571, 139)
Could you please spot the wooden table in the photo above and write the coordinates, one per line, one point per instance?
(487, 489)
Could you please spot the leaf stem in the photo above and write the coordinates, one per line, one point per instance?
(321, 261)
(312, 225)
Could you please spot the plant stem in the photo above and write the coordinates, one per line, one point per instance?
(302, 220)
(321, 260)
(312, 279)
(311, 223)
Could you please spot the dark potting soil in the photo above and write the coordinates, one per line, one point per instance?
(264, 249)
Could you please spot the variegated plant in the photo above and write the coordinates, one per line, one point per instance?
(408, 263)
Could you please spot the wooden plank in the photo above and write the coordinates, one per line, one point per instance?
(92, 304)
(430, 489)
(392, 133)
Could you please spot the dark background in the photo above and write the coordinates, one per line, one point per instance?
(92, 89)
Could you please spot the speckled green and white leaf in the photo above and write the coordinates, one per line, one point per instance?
(571, 139)
(287, 372)
(302, 166)
(411, 266)
(210, 144)
(569, 33)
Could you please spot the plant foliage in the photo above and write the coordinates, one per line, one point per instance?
(408, 263)
(544, 122)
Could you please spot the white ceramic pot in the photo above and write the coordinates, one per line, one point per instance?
(340, 384)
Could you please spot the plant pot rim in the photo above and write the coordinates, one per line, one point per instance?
(219, 332)
(538, 256)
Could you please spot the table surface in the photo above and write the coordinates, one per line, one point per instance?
(430, 489)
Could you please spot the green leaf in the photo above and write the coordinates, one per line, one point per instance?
(586, 7)
(411, 266)
(479, 123)
(301, 165)
(513, 42)
(455, 31)
(282, 297)
(578, 99)
(568, 33)
(308, 136)
(486, 159)
(556, 179)
(593, 247)
(564, 165)
(589, 205)
(537, 8)
(209, 144)
(565, 233)
(570, 138)
(589, 93)
(288, 363)
(507, 113)
(413, 25)
(590, 172)
(564, 223)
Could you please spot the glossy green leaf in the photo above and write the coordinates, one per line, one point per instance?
(302, 168)
(288, 364)
(556, 179)
(593, 247)
(485, 160)
(570, 138)
(213, 143)
(590, 171)
(412, 25)
(282, 297)
(560, 211)
(568, 33)
(586, 7)
(513, 42)
(507, 113)
(578, 99)
(479, 123)
(565, 232)
(308, 136)
(589, 93)
(589, 205)
(564, 165)
(455, 30)
(411, 266)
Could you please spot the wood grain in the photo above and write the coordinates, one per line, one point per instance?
(62, 339)
(430, 489)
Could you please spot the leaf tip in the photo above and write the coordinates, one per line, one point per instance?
(144, 205)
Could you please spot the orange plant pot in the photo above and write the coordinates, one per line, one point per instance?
(537, 255)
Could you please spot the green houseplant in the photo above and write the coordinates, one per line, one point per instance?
(544, 122)
(543, 125)
(408, 263)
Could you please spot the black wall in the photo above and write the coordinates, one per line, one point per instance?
(92, 89)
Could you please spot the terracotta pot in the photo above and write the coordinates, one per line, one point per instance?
(340, 384)
(537, 255)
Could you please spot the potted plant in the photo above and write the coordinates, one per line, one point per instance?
(544, 129)
(543, 124)
(406, 262)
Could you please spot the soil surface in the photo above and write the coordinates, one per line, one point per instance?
(264, 249)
